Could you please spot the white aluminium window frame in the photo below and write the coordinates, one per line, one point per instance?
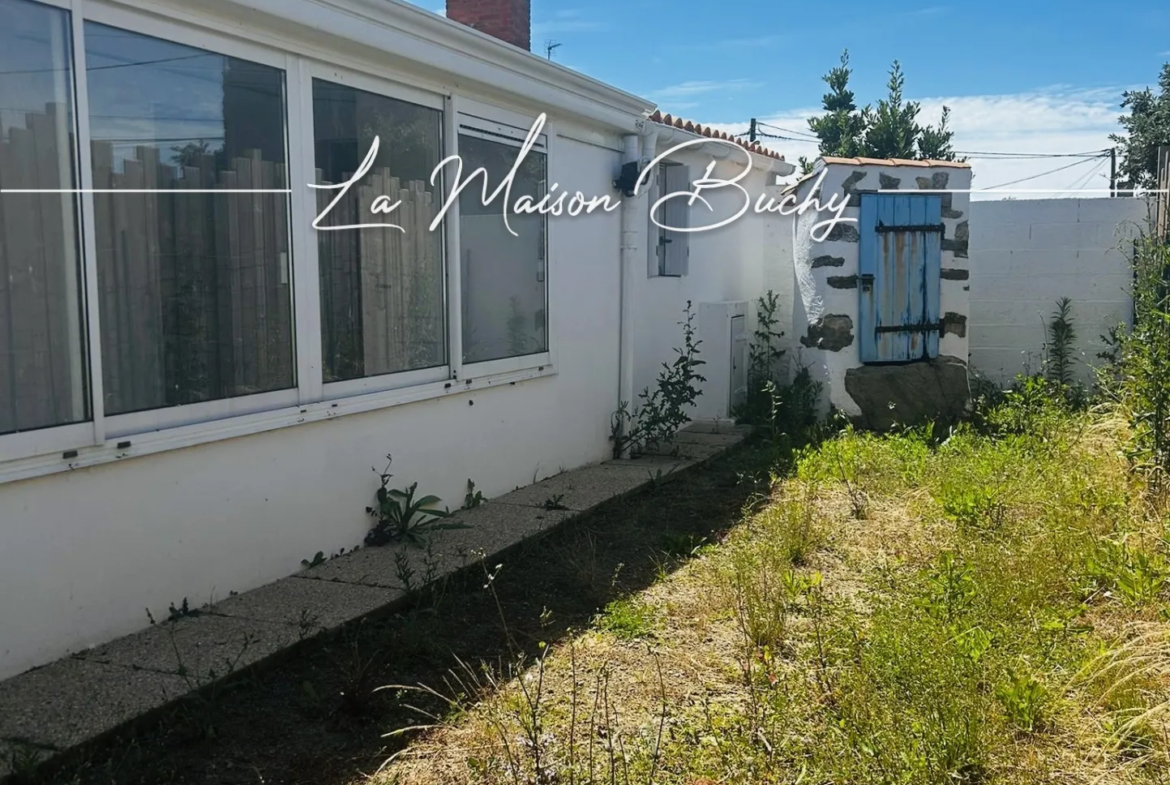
(315, 70)
(123, 425)
(103, 438)
(510, 128)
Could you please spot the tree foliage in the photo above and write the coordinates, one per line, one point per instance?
(1147, 127)
(890, 129)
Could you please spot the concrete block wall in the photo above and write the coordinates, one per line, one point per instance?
(1025, 254)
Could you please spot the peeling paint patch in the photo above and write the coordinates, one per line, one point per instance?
(848, 187)
(957, 247)
(845, 233)
(937, 182)
(831, 333)
(843, 281)
(954, 274)
(828, 261)
(955, 324)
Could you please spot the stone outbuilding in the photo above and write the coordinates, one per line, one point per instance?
(881, 301)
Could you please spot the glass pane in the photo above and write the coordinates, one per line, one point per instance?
(195, 297)
(382, 290)
(503, 276)
(43, 376)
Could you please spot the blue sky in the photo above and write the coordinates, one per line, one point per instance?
(1037, 76)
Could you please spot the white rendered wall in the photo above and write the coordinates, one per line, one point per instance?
(83, 553)
(1028, 253)
(737, 262)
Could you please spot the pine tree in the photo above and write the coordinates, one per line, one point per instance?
(890, 130)
(840, 128)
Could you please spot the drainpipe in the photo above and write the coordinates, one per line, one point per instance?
(629, 259)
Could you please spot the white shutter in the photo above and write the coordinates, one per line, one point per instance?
(676, 213)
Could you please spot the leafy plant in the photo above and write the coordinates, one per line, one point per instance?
(764, 356)
(400, 516)
(554, 502)
(661, 412)
(1059, 351)
(1141, 387)
(627, 618)
(473, 498)
(950, 588)
(317, 560)
(1136, 576)
(1022, 698)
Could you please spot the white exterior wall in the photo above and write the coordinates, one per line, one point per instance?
(83, 553)
(88, 543)
(1025, 255)
(737, 262)
(815, 298)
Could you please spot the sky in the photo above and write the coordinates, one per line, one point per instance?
(1041, 77)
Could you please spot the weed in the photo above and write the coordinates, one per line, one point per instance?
(554, 502)
(1022, 697)
(473, 498)
(764, 355)
(1058, 355)
(662, 412)
(317, 560)
(175, 613)
(627, 618)
(1137, 577)
(1138, 384)
(950, 588)
(399, 516)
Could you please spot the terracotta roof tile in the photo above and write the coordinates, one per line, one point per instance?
(925, 164)
(711, 133)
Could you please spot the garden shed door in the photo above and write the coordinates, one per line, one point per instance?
(900, 256)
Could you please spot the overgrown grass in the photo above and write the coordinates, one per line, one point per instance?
(983, 606)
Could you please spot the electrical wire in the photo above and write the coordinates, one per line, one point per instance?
(1084, 181)
(1035, 176)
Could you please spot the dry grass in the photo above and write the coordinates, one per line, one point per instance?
(819, 645)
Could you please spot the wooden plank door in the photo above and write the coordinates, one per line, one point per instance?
(900, 253)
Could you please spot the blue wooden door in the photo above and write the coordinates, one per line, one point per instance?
(900, 258)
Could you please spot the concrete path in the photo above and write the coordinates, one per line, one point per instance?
(84, 698)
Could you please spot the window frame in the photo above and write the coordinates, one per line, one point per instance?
(105, 438)
(132, 423)
(506, 127)
(657, 250)
(339, 75)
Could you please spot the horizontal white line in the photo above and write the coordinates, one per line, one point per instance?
(1015, 191)
(145, 191)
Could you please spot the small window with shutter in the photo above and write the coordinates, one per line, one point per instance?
(673, 249)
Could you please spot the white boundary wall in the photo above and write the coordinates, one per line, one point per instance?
(1027, 254)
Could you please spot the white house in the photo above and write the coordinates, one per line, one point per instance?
(200, 362)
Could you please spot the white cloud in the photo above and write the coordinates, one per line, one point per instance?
(1050, 121)
(673, 94)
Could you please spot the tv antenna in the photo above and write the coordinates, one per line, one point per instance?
(551, 46)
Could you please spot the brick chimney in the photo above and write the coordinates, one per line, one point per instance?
(507, 20)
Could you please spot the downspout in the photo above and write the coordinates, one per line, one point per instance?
(628, 261)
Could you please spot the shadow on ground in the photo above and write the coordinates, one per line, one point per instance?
(315, 717)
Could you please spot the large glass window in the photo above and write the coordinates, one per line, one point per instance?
(42, 357)
(382, 290)
(195, 297)
(503, 276)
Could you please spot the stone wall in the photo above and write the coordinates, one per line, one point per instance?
(827, 302)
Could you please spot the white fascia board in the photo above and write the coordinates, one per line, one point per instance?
(406, 35)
